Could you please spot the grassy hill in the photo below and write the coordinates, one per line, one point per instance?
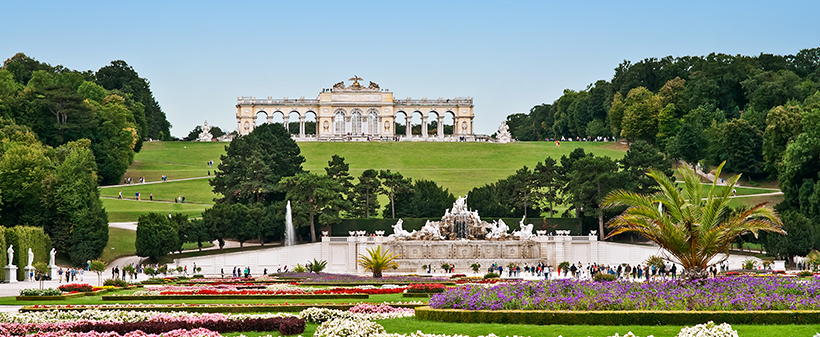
(456, 166)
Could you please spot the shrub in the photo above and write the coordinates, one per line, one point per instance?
(490, 275)
(83, 288)
(292, 325)
(805, 273)
(457, 276)
(316, 266)
(601, 277)
(198, 275)
(40, 292)
(115, 282)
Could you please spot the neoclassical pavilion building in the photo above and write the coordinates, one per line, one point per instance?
(358, 112)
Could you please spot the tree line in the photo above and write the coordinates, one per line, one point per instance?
(62, 133)
(759, 114)
(112, 107)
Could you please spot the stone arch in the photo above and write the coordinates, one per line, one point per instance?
(294, 119)
(416, 119)
(449, 122)
(356, 122)
(373, 121)
(310, 118)
(339, 116)
(400, 122)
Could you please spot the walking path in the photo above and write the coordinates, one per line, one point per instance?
(155, 182)
(162, 201)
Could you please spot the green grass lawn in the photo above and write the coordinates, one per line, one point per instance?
(120, 243)
(195, 191)
(130, 210)
(457, 166)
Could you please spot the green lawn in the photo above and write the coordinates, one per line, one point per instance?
(130, 210)
(195, 191)
(120, 243)
(457, 166)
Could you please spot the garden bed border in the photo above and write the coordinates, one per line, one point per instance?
(49, 298)
(636, 317)
(231, 297)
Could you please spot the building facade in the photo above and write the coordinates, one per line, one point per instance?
(358, 112)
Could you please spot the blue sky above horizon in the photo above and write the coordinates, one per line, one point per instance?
(508, 56)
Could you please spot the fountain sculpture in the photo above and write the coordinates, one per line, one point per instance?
(462, 238)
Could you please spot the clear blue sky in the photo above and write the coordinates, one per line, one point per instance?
(507, 55)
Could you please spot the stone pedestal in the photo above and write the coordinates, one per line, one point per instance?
(52, 271)
(29, 270)
(11, 274)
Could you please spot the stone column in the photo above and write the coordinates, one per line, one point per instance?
(269, 119)
(423, 126)
(440, 129)
(286, 122)
(301, 126)
(365, 124)
(348, 125)
(408, 127)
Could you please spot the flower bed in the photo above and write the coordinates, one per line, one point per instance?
(76, 287)
(426, 288)
(48, 294)
(254, 291)
(156, 323)
(732, 293)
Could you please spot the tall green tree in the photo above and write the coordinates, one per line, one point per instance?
(801, 160)
(340, 171)
(522, 184)
(24, 165)
(75, 218)
(743, 148)
(151, 120)
(547, 185)
(426, 199)
(798, 242)
(157, 236)
(253, 164)
(314, 196)
(782, 123)
(113, 142)
(639, 159)
(641, 111)
(394, 183)
(590, 179)
(366, 194)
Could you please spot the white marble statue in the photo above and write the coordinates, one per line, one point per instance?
(526, 230)
(431, 231)
(399, 232)
(503, 135)
(461, 205)
(498, 230)
(205, 135)
(52, 255)
(10, 254)
(30, 257)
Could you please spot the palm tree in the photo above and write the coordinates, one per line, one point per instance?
(377, 261)
(692, 224)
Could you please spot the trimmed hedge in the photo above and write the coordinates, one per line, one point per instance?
(49, 298)
(213, 309)
(23, 238)
(4, 260)
(417, 294)
(232, 297)
(547, 317)
(410, 224)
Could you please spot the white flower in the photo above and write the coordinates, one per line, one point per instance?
(708, 330)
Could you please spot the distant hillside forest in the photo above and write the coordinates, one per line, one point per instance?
(713, 108)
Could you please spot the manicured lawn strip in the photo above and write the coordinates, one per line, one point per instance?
(130, 210)
(655, 317)
(411, 324)
(168, 259)
(120, 243)
(196, 191)
(237, 297)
